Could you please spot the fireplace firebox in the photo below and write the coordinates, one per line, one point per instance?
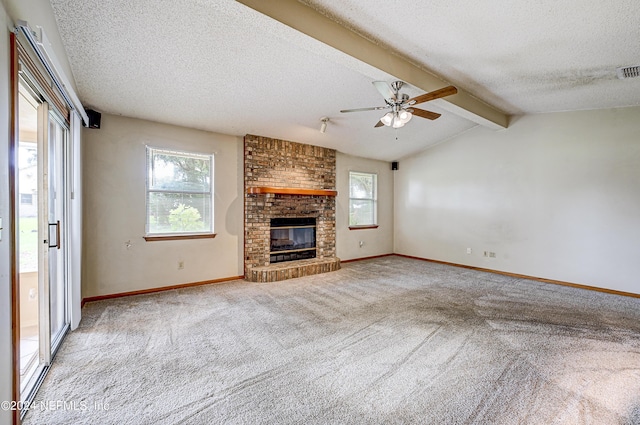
(292, 239)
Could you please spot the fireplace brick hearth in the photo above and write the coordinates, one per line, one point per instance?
(271, 163)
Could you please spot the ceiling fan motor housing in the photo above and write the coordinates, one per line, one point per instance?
(396, 86)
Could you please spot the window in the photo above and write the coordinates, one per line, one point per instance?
(363, 199)
(179, 193)
(26, 198)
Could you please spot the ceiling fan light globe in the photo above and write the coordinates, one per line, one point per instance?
(397, 123)
(405, 116)
(387, 118)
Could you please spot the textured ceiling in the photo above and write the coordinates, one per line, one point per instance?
(520, 56)
(223, 67)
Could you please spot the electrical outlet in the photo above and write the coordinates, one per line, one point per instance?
(180, 265)
(469, 250)
(492, 255)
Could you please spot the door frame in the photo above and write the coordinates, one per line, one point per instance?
(15, 282)
(47, 112)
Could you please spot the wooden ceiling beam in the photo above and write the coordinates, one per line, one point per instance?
(312, 23)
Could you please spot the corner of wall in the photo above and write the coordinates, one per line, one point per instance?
(241, 189)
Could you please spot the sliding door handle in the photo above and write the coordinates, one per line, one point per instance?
(57, 244)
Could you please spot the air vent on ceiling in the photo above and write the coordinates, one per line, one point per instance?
(628, 72)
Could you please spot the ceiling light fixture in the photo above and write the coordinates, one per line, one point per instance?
(323, 126)
(402, 108)
(396, 119)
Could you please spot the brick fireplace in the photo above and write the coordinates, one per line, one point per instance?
(287, 180)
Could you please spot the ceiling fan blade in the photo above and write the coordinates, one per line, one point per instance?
(374, 108)
(379, 124)
(425, 114)
(436, 94)
(385, 90)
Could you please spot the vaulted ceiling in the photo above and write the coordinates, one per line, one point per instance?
(276, 68)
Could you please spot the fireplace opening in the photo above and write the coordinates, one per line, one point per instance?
(292, 239)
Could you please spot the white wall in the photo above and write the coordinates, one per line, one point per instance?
(376, 241)
(114, 210)
(6, 354)
(555, 196)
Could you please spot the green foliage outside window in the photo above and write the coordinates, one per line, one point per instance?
(183, 218)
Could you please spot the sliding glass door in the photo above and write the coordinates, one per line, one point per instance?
(57, 247)
(42, 253)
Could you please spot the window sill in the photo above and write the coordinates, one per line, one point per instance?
(178, 237)
(368, 226)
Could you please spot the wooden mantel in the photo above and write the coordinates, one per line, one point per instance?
(290, 191)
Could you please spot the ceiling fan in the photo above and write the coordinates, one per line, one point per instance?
(402, 108)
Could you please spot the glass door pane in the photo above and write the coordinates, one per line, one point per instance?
(57, 247)
(28, 221)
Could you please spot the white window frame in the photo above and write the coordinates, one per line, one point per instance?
(148, 190)
(373, 200)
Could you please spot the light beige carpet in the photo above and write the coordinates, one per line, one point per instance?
(391, 340)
